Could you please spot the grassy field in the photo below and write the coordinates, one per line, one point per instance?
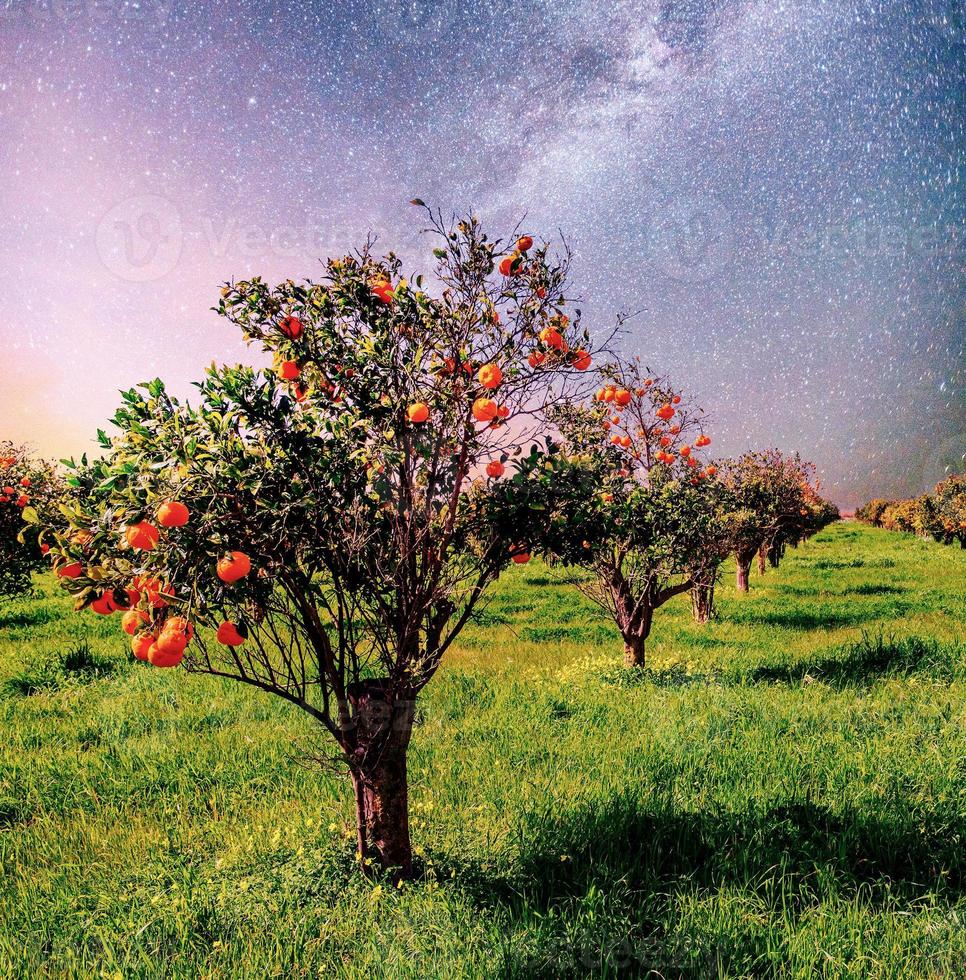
(784, 793)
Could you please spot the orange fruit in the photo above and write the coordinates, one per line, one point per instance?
(173, 514)
(289, 370)
(665, 412)
(132, 619)
(685, 451)
(417, 412)
(536, 359)
(172, 641)
(291, 326)
(582, 360)
(72, 570)
(622, 397)
(490, 376)
(506, 264)
(102, 605)
(164, 657)
(676, 400)
(25, 482)
(142, 536)
(140, 644)
(521, 557)
(228, 635)
(484, 410)
(234, 566)
(524, 244)
(551, 338)
(178, 624)
(495, 468)
(383, 290)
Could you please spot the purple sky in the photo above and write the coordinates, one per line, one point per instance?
(777, 188)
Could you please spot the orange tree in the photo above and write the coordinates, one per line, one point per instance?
(29, 486)
(815, 513)
(949, 510)
(318, 531)
(767, 493)
(620, 493)
(871, 513)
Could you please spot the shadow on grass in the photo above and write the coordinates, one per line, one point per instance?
(28, 617)
(77, 666)
(865, 661)
(815, 619)
(646, 860)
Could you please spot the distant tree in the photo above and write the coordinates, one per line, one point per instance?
(949, 505)
(871, 513)
(320, 531)
(29, 486)
(622, 494)
(768, 493)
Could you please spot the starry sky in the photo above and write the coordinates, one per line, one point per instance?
(773, 188)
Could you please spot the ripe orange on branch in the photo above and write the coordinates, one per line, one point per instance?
(551, 337)
(234, 566)
(484, 409)
(142, 536)
(173, 513)
(490, 376)
(292, 327)
(132, 619)
(229, 636)
(141, 644)
(582, 360)
(417, 412)
(495, 468)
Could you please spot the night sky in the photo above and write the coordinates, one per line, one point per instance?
(774, 188)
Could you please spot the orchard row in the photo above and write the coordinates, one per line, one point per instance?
(325, 529)
(940, 515)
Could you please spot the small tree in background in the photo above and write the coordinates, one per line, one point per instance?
(768, 497)
(320, 531)
(29, 487)
(949, 504)
(621, 495)
(871, 513)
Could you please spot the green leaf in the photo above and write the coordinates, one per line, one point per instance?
(30, 515)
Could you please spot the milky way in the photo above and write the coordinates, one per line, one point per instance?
(774, 189)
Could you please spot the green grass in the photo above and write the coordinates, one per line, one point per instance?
(783, 793)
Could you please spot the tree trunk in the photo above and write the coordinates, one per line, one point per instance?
(702, 602)
(775, 554)
(743, 568)
(379, 776)
(762, 556)
(634, 651)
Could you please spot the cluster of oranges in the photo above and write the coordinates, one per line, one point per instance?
(164, 644)
(12, 494)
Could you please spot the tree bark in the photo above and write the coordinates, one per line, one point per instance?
(702, 602)
(762, 556)
(743, 568)
(634, 650)
(379, 775)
